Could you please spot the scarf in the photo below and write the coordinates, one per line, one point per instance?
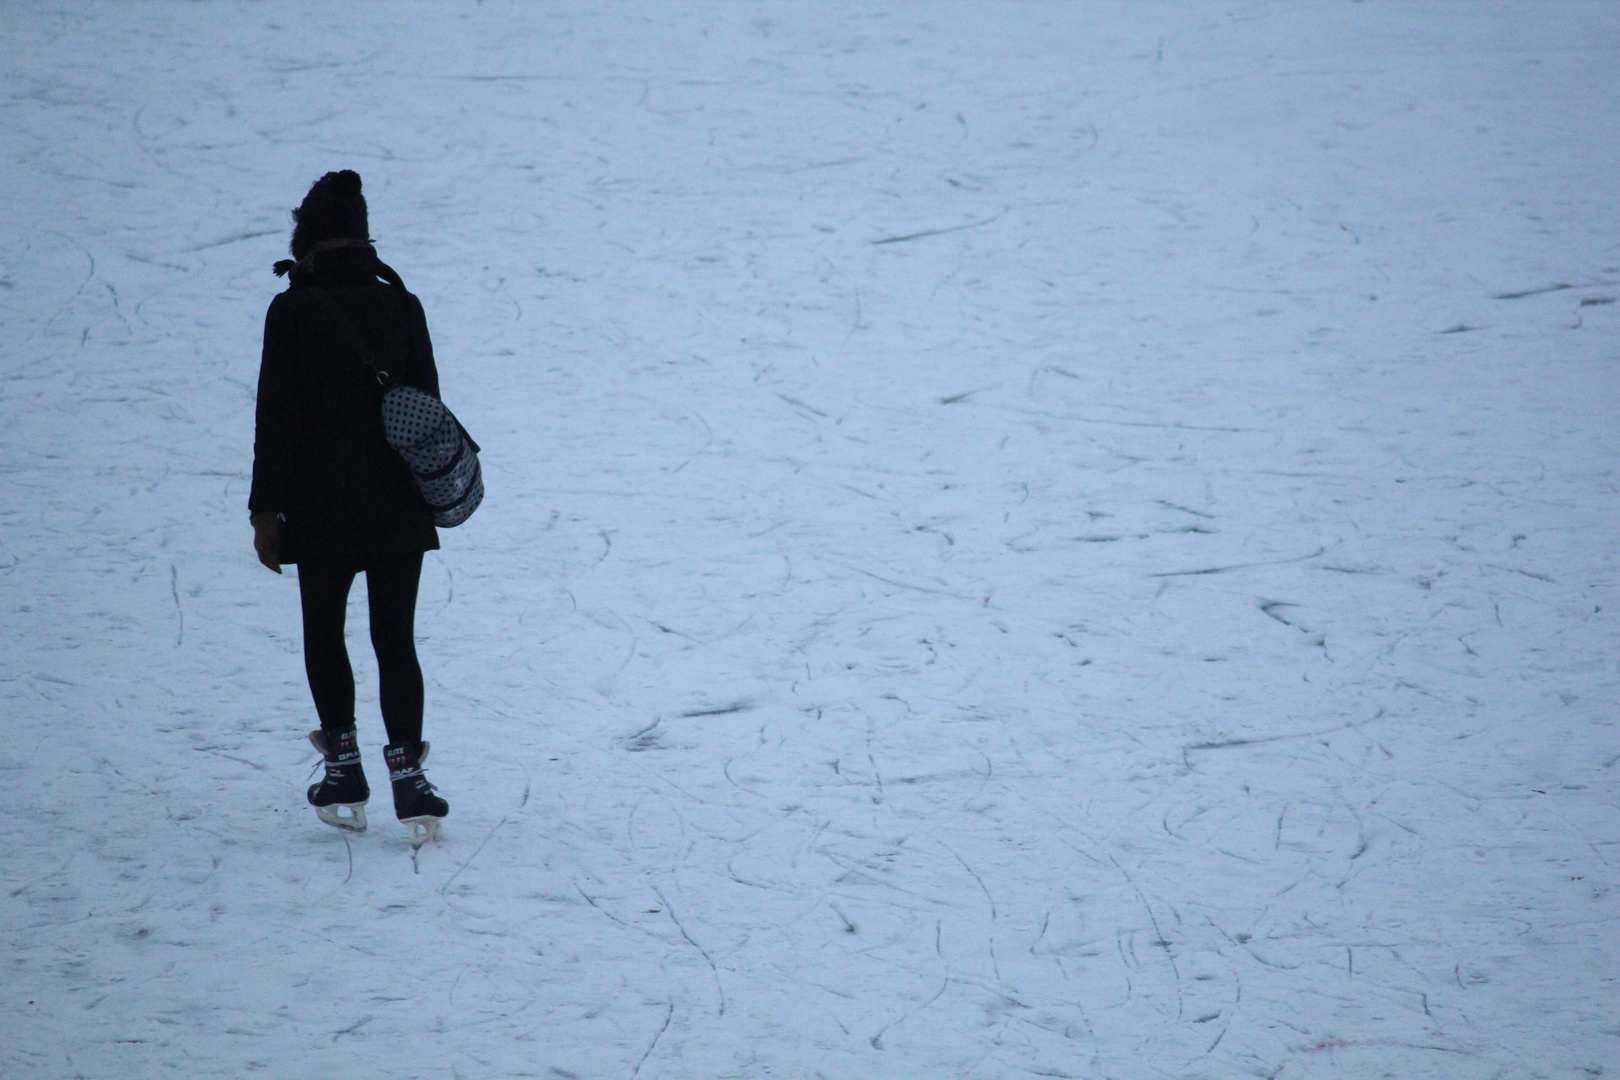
(302, 269)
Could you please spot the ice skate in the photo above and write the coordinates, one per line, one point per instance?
(414, 802)
(340, 798)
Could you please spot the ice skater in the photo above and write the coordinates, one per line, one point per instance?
(331, 495)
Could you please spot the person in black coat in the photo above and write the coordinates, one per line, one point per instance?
(331, 495)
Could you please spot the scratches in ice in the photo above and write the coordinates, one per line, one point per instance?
(451, 879)
(1269, 609)
(1238, 566)
(876, 1041)
(607, 547)
(1076, 418)
(939, 232)
(89, 276)
(990, 937)
(681, 926)
(1557, 287)
(217, 752)
(647, 738)
(1232, 744)
(174, 591)
(802, 406)
(910, 585)
(721, 710)
(348, 849)
(234, 238)
(19, 890)
(1158, 935)
(1185, 509)
(669, 1012)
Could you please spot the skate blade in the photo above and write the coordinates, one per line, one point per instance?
(349, 816)
(421, 829)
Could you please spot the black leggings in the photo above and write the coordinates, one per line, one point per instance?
(391, 583)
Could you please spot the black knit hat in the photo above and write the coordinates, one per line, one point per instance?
(334, 209)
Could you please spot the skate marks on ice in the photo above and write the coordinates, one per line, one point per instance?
(1108, 629)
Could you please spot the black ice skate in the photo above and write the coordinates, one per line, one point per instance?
(414, 801)
(340, 799)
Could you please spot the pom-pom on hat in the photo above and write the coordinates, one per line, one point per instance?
(334, 209)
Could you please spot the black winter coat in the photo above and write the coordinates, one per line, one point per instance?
(319, 456)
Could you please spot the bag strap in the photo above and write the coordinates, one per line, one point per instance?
(384, 380)
(390, 275)
(475, 447)
(367, 357)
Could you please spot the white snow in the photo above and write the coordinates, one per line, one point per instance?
(1023, 539)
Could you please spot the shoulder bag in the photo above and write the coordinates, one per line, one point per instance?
(442, 457)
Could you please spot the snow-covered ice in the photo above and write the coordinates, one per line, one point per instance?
(1023, 539)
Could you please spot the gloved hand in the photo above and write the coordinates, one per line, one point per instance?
(267, 537)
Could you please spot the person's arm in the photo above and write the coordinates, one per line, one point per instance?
(275, 436)
(427, 373)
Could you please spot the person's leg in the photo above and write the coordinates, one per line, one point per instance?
(391, 585)
(324, 591)
(339, 799)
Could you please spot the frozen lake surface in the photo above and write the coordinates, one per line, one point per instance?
(1023, 540)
